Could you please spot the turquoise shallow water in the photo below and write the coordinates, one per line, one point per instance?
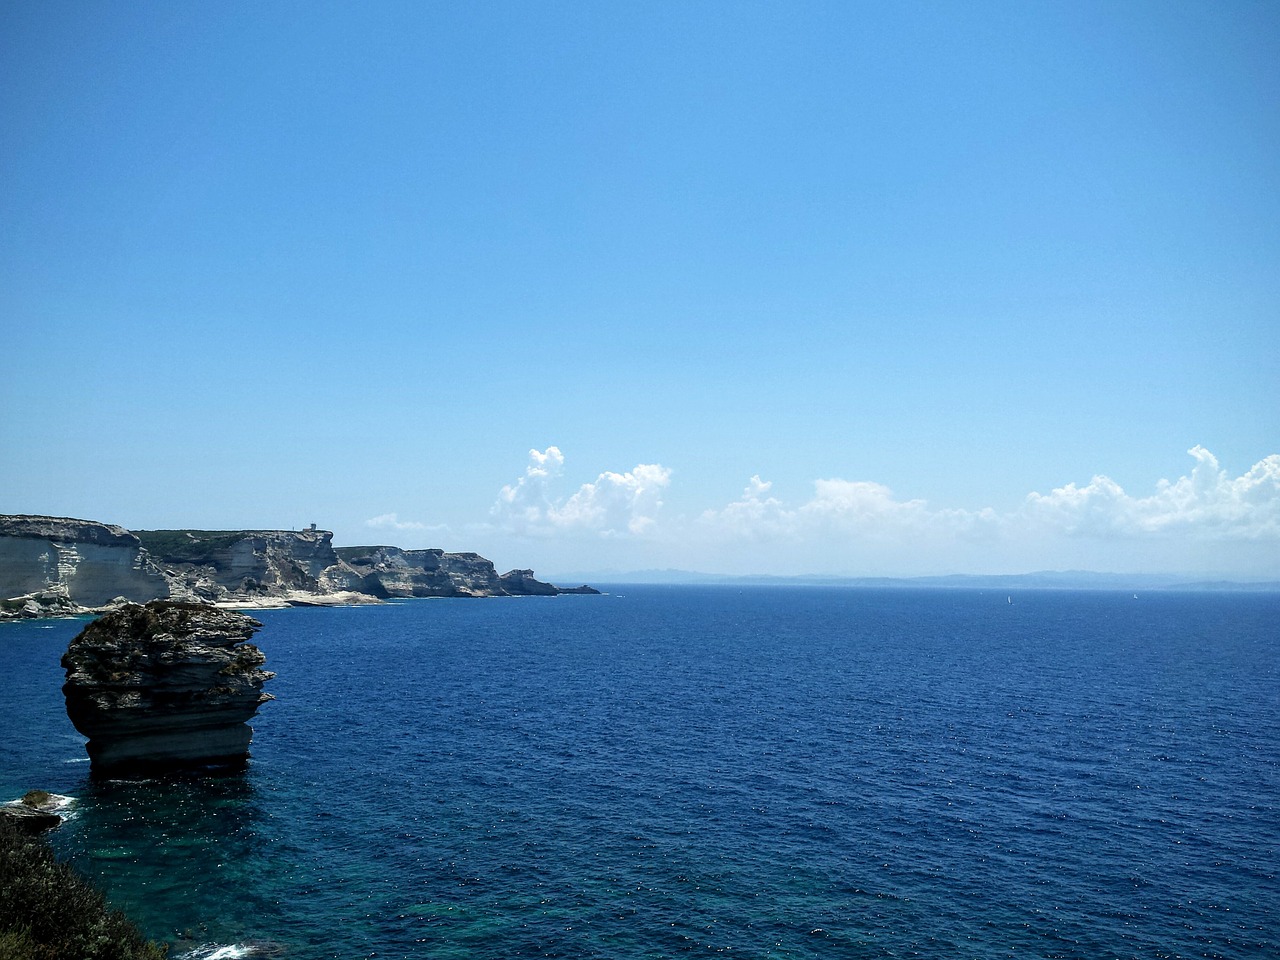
(661, 772)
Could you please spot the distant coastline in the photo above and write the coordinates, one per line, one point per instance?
(1039, 580)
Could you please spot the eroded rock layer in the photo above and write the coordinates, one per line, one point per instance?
(392, 572)
(165, 686)
(78, 562)
(225, 564)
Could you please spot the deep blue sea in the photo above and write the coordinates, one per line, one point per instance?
(690, 772)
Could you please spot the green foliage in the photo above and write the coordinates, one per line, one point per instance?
(50, 912)
(200, 547)
(18, 945)
(355, 554)
(140, 622)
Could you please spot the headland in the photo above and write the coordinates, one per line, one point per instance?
(60, 566)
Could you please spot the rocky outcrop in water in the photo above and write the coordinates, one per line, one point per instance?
(34, 813)
(165, 686)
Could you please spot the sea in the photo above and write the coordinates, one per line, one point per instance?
(663, 771)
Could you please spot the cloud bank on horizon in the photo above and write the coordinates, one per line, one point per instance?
(1208, 503)
(844, 524)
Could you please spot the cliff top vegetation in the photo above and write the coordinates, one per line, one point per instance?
(194, 546)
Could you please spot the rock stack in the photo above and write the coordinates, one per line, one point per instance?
(165, 686)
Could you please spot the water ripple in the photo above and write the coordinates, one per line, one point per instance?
(698, 772)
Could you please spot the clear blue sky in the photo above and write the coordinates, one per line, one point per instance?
(915, 266)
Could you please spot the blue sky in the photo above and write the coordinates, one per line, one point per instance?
(959, 285)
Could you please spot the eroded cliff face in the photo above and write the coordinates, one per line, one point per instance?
(165, 686)
(521, 583)
(88, 564)
(392, 572)
(220, 565)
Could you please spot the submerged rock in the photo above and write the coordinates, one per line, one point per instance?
(165, 686)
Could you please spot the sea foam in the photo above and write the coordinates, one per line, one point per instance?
(214, 951)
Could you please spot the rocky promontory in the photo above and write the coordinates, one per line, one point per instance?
(386, 572)
(57, 566)
(165, 686)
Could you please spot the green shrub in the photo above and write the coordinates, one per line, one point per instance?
(49, 912)
(199, 547)
(16, 945)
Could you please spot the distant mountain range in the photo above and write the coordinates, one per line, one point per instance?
(1041, 580)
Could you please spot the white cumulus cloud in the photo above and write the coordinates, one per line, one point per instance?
(616, 501)
(392, 521)
(523, 506)
(1207, 519)
(1207, 503)
(838, 508)
(612, 505)
(755, 516)
(860, 505)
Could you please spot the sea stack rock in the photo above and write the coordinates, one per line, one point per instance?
(166, 686)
